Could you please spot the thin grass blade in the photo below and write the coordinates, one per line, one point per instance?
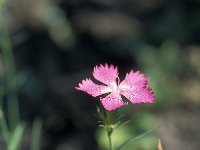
(133, 138)
(16, 138)
(36, 134)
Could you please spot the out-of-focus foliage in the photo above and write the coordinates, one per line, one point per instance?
(140, 125)
(56, 44)
(163, 65)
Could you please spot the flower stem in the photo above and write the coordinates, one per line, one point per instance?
(108, 122)
(110, 127)
(110, 141)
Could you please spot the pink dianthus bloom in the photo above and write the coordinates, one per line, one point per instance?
(133, 87)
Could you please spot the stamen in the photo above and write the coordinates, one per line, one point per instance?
(118, 80)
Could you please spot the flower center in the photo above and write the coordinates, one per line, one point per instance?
(115, 87)
(116, 90)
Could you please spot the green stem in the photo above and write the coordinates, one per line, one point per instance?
(109, 123)
(110, 127)
(110, 141)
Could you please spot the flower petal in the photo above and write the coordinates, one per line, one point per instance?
(112, 101)
(106, 74)
(93, 89)
(134, 80)
(144, 95)
(134, 87)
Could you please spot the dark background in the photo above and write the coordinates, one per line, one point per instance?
(56, 44)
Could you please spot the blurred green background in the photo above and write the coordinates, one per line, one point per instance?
(56, 43)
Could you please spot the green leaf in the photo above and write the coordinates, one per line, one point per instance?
(133, 139)
(16, 137)
(4, 127)
(123, 124)
(36, 134)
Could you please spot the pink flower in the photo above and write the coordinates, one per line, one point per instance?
(133, 87)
